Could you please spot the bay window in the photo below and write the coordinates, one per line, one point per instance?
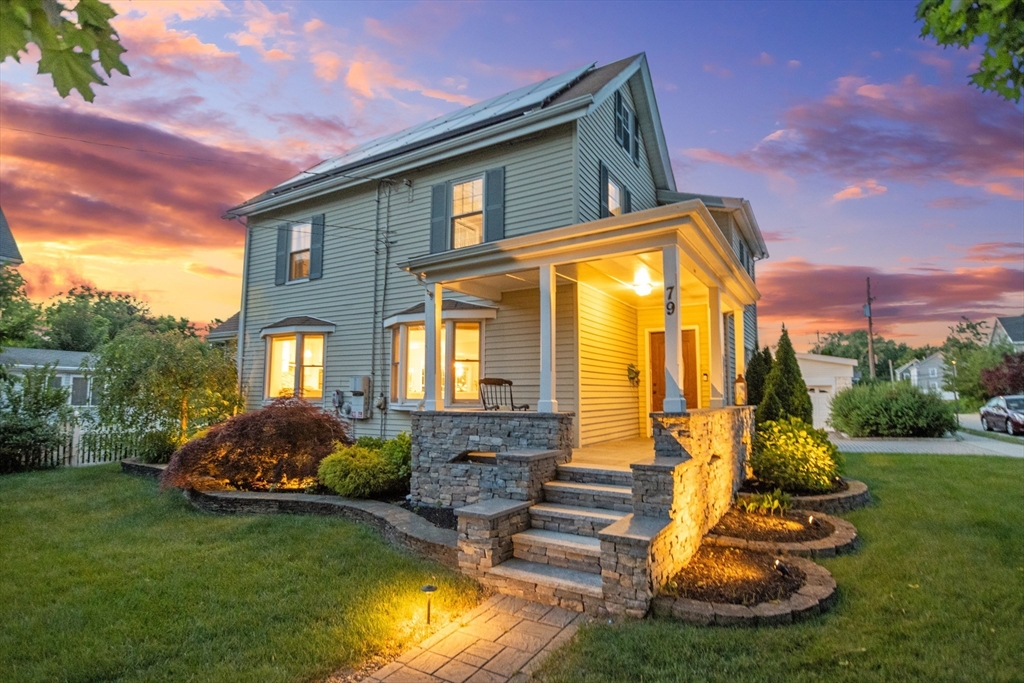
(295, 366)
(460, 366)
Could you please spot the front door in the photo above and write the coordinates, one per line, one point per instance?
(657, 370)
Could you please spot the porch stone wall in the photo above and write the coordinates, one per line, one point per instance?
(528, 448)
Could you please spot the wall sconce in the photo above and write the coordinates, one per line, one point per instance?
(642, 282)
(428, 589)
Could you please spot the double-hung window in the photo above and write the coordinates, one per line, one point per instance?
(295, 365)
(467, 222)
(460, 362)
(616, 197)
(299, 249)
(627, 128)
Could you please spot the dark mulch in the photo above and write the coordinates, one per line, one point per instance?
(755, 486)
(438, 516)
(790, 527)
(734, 576)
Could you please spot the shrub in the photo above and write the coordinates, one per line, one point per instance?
(757, 372)
(280, 445)
(795, 457)
(363, 471)
(35, 420)
(891, 410)
(768, 503)
(785, 394)
(1007, 377)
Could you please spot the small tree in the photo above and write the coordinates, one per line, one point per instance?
(18, 315)
(757, 371)
(967, 345)
(785, 394)
(1006, 378)
(34, 418)
(167, 382)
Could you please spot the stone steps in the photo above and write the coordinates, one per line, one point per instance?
(580, 553)
(571, 519)
(603, 496)
(585, 474)
(547, 584)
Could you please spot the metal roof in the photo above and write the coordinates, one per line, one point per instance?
(8, 247)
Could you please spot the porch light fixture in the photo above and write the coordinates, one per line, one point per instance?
(428, 589)
(642, 282)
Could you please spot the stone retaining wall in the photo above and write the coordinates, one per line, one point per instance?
(485, 533)
(142, 469)
(854, 497)
(841, 541)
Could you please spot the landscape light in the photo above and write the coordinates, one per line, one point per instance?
(781, 568)
(810, 520)
(428, 589)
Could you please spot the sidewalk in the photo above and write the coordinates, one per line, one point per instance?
(964, 444)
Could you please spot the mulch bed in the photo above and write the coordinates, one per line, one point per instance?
(791, 527)
(438, 516)
(755, 486)
(734, 576)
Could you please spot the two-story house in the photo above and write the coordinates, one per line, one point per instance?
(927, 374)
(544, 230)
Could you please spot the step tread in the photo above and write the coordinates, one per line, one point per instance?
(585, 545)
(557, 510)
(606, 489)
(548, 575)
(602, 469)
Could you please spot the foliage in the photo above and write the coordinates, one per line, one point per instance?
(785, 393)
(767, 503)
(280, 445)
(757, 371)
(967, 347)
(854, 345)
(69, 50)
(962, 22)
(34, 418)
(1007, 378)
(169, 383)
(369, 470)
(891, 410)
(18, 315)
(795, 457)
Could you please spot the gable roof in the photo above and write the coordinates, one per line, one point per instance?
(919, 361)
(1013, 326)
(548, 103)
(225, 331)
(64, 360)
(8, 247)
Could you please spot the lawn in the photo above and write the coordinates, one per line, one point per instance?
(936, 593)
(993, 435)
(104, 578)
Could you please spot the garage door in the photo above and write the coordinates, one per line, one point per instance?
(821, 401)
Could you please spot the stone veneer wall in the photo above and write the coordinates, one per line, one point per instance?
(529, 446)
(485, 533)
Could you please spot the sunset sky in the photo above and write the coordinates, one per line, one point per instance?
(862, 148)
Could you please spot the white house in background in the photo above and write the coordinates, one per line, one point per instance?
(1009, 330)
(928, 374)
(67, 365)
(824, 376)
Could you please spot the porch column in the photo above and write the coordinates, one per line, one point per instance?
(674, 401)
(740, 344)
(432, 397)
(547, 403)
(716, 333)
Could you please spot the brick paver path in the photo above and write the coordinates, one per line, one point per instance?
(503, 639)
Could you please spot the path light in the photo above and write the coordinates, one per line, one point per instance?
(810, 520)
(781, 568)
(428, 589)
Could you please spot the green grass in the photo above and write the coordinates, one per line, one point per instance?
(993, 435)
(936, 593)
(103, 578)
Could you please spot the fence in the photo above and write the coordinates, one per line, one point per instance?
(81, 448)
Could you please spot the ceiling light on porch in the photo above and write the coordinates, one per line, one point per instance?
(642, 282)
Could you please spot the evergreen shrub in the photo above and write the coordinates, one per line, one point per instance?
(884, 409)
(372, 468)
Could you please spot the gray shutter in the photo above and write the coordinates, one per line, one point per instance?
(627, 201)
(636, 139)
(603, 189)
(316, 248)
(494, 205)
(284, 236)
(619, 127)
(438, 218)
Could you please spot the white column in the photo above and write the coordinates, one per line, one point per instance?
(741, 347)
(674, 401)
(547, 403)
(716, 334)
(432, 368)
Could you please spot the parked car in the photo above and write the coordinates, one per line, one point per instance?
(1004, 413)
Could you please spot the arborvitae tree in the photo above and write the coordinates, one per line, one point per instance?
(785, 393)
(757, 371)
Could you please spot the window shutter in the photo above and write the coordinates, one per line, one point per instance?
(627, 201)
(618, 117)
(603, 189)
(494, 205)
(438, 218)
(316, 248)
(636, 139)
(284, 235)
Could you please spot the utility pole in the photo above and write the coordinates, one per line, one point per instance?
(871, 333)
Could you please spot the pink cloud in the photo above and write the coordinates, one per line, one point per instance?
(764, 59)
(719, 71)
(369, 77)
(205, 270)
(153, 45)
(43, 281)
(263, 27)
(794, 64)
(993, 252)
(326, 65)
(516, 74)
(868, 188)
(779, 236)
(961, 202)
(313, 25)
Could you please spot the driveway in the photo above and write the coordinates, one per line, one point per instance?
(963, 444)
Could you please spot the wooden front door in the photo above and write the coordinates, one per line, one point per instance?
(657, 370)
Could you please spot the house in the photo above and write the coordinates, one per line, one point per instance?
(1008, 330)
(928, 374)
(226, 333)
(537, 237)
(67, 366)
(825, 376)
(9, 253)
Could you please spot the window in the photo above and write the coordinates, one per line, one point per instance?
(623, 123)
(615, 197)
(79, 391)
(934, 386)
(460, 365)
(287, 375)
(299, 249)
(933, 372)
(467, 213)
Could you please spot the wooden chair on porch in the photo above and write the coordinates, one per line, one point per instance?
(495, 393)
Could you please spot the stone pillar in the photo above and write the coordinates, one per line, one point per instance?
(486, 530)
(548, 402)
(716, 336)
(674, 401)
(432, 397)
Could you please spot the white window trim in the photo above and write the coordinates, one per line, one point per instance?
(482, 177)
(612, 180)
(402, 404)
(471, 315)
(299, 343)
(291, 252)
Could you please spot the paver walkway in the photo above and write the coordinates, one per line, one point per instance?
(966, 444)
(504, 639)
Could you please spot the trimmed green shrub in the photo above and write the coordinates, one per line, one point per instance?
(366, 471)
(795, 457)
(785, 394)
(757, 372)
(35, 420)
(891, 410)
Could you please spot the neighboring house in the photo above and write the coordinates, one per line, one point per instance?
(543, 234)
(928, 374)
(825, 376)
(9, 253)
(1009, 330)
(67, 367)
(226, 333)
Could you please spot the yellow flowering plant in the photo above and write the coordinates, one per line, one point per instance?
(794, 456)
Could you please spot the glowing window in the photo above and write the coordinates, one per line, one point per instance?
(614, 197)
(460, 367)
(468, 213)
(286, 375)
(298, 261)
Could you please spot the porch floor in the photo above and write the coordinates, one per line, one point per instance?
(615, 454)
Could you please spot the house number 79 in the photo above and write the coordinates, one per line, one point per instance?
(670, 306)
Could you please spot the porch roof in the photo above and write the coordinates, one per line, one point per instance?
(688, 224)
